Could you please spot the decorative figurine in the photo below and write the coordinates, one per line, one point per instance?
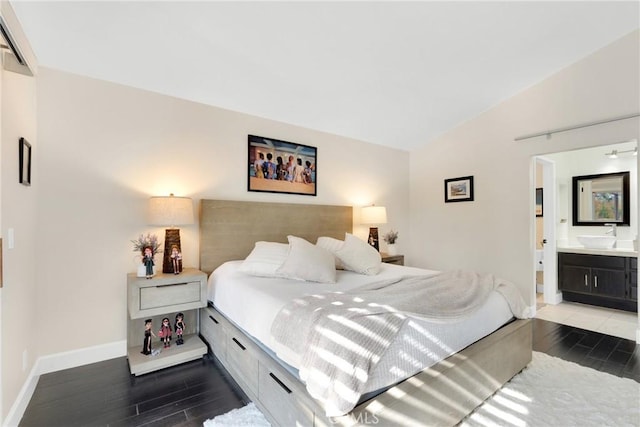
(147, 260)
(179, 327)
(165, 332)
(146, 346)
(176, 259)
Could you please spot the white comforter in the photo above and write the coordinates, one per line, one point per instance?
(253, 303)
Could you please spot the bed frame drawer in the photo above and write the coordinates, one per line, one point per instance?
(280, 395)
(242, 359)
(213, 332)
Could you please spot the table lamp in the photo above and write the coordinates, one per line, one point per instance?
(171, 211)
(374, 215)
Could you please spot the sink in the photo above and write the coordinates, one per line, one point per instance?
(597, 242)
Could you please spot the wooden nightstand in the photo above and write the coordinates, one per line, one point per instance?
(392, 259)
(165, 295)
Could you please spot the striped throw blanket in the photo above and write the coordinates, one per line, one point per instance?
(343, 335)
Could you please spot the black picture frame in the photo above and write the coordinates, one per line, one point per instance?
(539, 203)
(458, 189)
(269, 169)
(24, 169)
(624, 198)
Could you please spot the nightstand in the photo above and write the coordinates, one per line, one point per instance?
(392, 259)
(165, 295)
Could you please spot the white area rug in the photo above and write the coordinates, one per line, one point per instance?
(549, 392)
(248, 416)
(553, 392)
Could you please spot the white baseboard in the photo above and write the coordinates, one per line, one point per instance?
(555, 299)
(83, 356)
(20, 405)
(58, 362)
(638, 336)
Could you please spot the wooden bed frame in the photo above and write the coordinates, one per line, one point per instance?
(441, 395)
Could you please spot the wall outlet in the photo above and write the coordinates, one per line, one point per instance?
(25, 360)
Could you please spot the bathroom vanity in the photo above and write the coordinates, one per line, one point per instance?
(603, 277)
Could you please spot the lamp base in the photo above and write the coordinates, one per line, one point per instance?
(373, 238)
(172, 265)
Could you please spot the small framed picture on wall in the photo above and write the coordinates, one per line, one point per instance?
(458, 189)
(25, 162)
(538, 201)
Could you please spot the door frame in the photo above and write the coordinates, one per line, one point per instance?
(551, 295)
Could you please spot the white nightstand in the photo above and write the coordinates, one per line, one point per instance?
(165, 295)
(392, 259)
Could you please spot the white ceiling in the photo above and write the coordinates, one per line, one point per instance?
(390, 73)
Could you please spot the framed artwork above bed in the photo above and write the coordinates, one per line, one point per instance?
(276, 166)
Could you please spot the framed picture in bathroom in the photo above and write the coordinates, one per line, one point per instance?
(538, 201)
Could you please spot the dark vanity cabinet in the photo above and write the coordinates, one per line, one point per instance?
(608, 281)
(633, 279)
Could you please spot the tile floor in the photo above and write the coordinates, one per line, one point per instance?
(618, 323)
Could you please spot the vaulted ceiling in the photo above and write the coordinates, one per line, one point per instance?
(391, 73)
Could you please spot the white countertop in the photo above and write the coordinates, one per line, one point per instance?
(610, 252)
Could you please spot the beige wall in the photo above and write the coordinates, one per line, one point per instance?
(494, 233)
(105, 148)
(18, 208)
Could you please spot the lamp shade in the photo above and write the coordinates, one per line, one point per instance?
(373, 215)
(170, 211)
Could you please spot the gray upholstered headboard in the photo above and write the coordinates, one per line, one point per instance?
(229, 229)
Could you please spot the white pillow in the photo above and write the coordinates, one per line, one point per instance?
(307, 261)
(359, 256)
(265, 259)
(332, 245)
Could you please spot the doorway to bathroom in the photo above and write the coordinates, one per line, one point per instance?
(554, 229)
(546, 229)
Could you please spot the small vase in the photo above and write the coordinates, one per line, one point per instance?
(392, 250)
(142, 270)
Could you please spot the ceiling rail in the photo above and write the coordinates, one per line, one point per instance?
(599, 122)
(15, 60)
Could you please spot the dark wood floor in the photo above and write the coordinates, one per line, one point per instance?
(105, 394)
(614, 355)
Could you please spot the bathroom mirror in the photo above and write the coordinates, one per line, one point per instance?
(600, 199)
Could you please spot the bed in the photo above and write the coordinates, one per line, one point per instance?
(442, 394)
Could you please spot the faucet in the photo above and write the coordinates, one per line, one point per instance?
(613, 231)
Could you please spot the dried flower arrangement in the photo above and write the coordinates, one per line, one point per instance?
(390, 237)
(150, 240)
